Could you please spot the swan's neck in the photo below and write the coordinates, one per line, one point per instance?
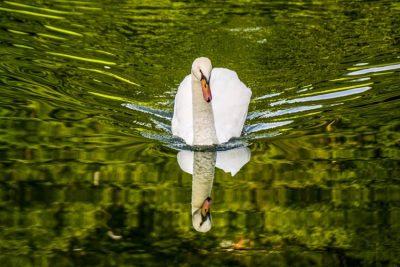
(203, 177)
(203, 118)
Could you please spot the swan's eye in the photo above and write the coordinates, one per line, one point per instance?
(202, 75)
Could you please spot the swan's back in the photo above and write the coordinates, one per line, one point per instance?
(230, 101)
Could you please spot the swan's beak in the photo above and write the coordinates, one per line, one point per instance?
(205, 210)
(205, 86)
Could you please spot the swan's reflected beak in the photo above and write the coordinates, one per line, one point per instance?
(205, 210)
(205, 86)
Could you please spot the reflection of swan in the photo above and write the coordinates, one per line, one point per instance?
(202, 165)
(212, 103)
(203, 176)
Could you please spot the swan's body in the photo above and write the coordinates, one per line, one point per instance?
(210, 121)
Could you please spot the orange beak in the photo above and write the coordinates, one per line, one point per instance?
(205, 208)
(205, 87)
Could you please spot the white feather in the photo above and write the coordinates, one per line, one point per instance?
(230, 102)
(182, 121)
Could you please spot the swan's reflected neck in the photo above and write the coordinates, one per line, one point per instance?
(203, 118)
(203, 177)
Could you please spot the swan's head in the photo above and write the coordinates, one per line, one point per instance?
(201, 70)
(201, 218)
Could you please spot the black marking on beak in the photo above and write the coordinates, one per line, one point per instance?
(204, 77)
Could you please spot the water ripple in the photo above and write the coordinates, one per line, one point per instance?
(149, 110)
(91, 60)
(63, 30)
(31, 13)
(374, 69)
(42, 8)
(265, 126)
(323, 96)
(271, 114)
(266, 96)
(111, 75)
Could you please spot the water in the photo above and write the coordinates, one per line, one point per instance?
(89, 170)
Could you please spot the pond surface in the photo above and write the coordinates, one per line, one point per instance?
(89, 174)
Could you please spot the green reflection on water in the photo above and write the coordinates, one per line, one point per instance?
(88, 175)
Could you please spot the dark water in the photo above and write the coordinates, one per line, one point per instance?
(88, 167)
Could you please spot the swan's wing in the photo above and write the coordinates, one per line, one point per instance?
(182, 121)
(230, 102)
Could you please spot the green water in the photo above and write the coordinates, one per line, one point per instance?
(88, 167)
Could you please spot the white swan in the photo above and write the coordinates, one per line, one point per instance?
(212, 103)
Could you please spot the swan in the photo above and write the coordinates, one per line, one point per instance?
(210, 105)
(202, 182)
